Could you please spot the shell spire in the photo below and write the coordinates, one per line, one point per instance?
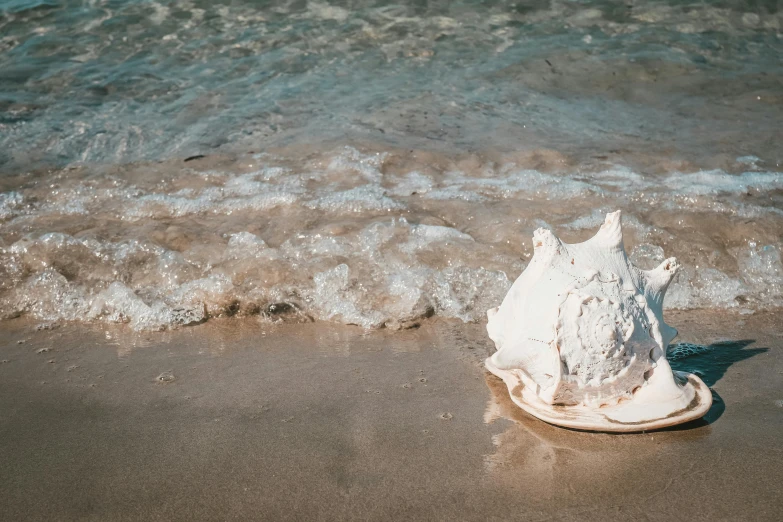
(610, 235)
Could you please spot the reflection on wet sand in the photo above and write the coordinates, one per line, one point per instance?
(226, 335)
(542, 458)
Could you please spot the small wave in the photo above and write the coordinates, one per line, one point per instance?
(361, 238)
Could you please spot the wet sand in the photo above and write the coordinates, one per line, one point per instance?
(244, 420)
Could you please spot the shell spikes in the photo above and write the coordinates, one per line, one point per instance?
(656, 281)
(581, 340)
(610, 235)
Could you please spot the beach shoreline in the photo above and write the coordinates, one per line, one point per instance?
(247, 251)
(245, 419)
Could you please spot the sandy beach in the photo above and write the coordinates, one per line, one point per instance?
(247, 251)
(238, 419)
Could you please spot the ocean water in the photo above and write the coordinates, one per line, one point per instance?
(372, 163)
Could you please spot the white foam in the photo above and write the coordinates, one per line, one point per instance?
(762, 271)
(359, 199)
(348, 242)
(509, 182)
(411, 184)
(713, 182)
(367, 165)
(10, 202)
(119, 304)
(244, 244)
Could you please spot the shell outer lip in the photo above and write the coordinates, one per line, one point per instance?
(594, 420)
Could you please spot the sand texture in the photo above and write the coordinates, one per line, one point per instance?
(241, 420)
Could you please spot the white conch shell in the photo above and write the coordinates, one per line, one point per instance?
(581, 340)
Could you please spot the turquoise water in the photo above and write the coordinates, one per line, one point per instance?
(123, 81)
(372, 163)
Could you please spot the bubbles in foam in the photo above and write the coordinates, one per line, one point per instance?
(10, 202)
(244, 244)
(367, 165)
(717, 181)
(411, 184)
(399, 290)
(118, 303)
(47, 295)
(508, 182)
(359, 199)
(362, 238)
(762, 271)
(338, 295)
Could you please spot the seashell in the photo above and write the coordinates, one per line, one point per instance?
(581, 340)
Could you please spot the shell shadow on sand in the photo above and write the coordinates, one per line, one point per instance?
(710, 362)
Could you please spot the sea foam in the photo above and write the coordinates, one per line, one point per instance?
(362, 238)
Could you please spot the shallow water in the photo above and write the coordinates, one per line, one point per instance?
(374, 164)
